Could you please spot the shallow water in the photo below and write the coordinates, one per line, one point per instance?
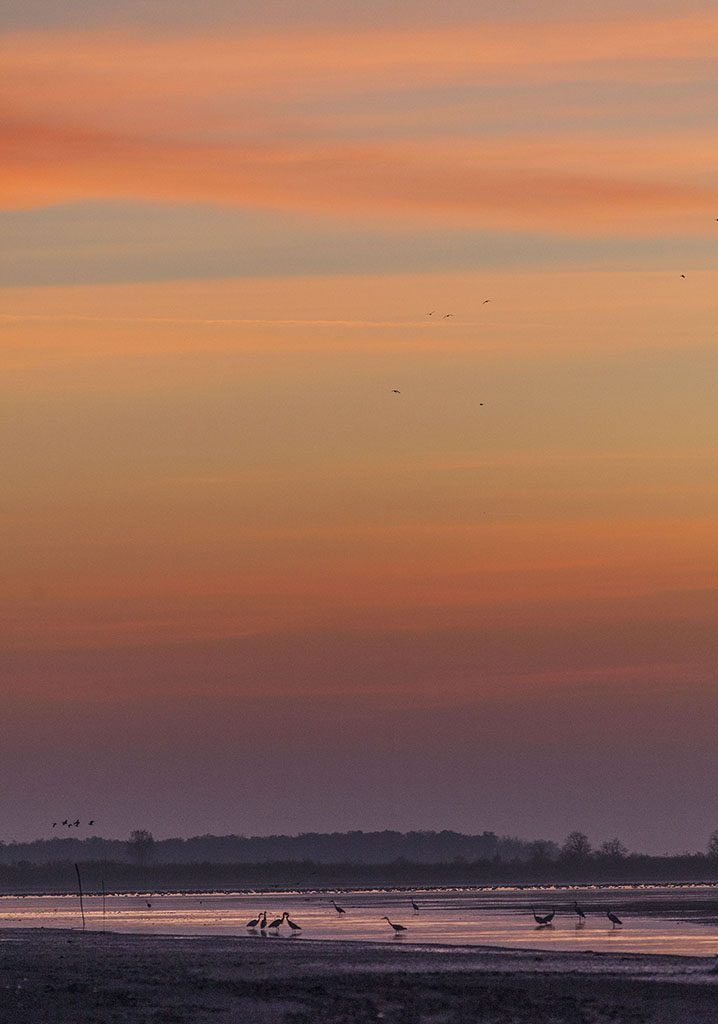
(653, 917)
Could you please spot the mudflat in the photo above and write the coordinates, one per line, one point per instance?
(55, 976)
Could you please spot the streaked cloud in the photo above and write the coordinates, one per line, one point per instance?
(203, 119)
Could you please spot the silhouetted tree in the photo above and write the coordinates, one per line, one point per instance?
(613, 849)
(712, 849)
(542, 852)
(141, 846)
(576, 847)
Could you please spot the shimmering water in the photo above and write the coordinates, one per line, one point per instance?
(655, 919)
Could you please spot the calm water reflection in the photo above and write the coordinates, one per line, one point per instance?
(653, 916)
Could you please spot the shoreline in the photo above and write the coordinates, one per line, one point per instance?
(59, 975)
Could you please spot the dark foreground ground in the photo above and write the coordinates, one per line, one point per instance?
(61, 976)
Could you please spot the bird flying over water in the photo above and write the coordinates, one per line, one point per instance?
(395, 391)
(485, 301)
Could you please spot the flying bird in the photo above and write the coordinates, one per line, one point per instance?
(447, 315)
(395, 391)
(54, 823)
(613, 918)
(398, 928)
(683, 275)
(339, 910)
(543, 919)
(91, 822)
(485, 301)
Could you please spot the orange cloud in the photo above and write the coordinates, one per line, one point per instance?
(44, 164)
(202, 119)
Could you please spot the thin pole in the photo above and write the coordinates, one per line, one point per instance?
(103, 900)
(79, 886)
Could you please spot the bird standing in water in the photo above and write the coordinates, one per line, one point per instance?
(339, 910)
(398, 928)
(613, 918)
(543, 919)
(581, 913)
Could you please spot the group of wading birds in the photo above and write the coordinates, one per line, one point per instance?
(542, 920)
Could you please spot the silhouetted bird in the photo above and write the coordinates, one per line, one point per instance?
(581, 913)
(447, 315)
(149, 905)
(415, 905)
(395, 391)
(613, 918)
(277, 921)
(339, 910)
(91, 822)
(543, 919)
(77, 823)
(295, 927)
(485, 301)
(65, 822)
(683, 275)
(263, 922)
(54, 823)
(253, 923)
(397, 927)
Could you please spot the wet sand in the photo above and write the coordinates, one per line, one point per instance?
(62, 976)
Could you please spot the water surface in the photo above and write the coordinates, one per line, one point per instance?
(671, 919)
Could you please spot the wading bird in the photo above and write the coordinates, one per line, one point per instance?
(398, 928)
(543, 919)
(263, 922)
(295, 927)
(613, 918)
(414, 905)
(581, 913)
(277, 921)
(254, 922)
(339, 910)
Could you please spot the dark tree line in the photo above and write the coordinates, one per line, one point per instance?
(340, 860)
(320, 848)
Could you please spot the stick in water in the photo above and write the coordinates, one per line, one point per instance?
(79, 886)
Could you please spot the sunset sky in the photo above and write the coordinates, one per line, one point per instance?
(246, 587)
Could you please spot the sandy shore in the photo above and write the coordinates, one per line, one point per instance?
(62, 976)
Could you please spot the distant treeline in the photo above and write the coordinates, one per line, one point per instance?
(113, 876)
(320, 848)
